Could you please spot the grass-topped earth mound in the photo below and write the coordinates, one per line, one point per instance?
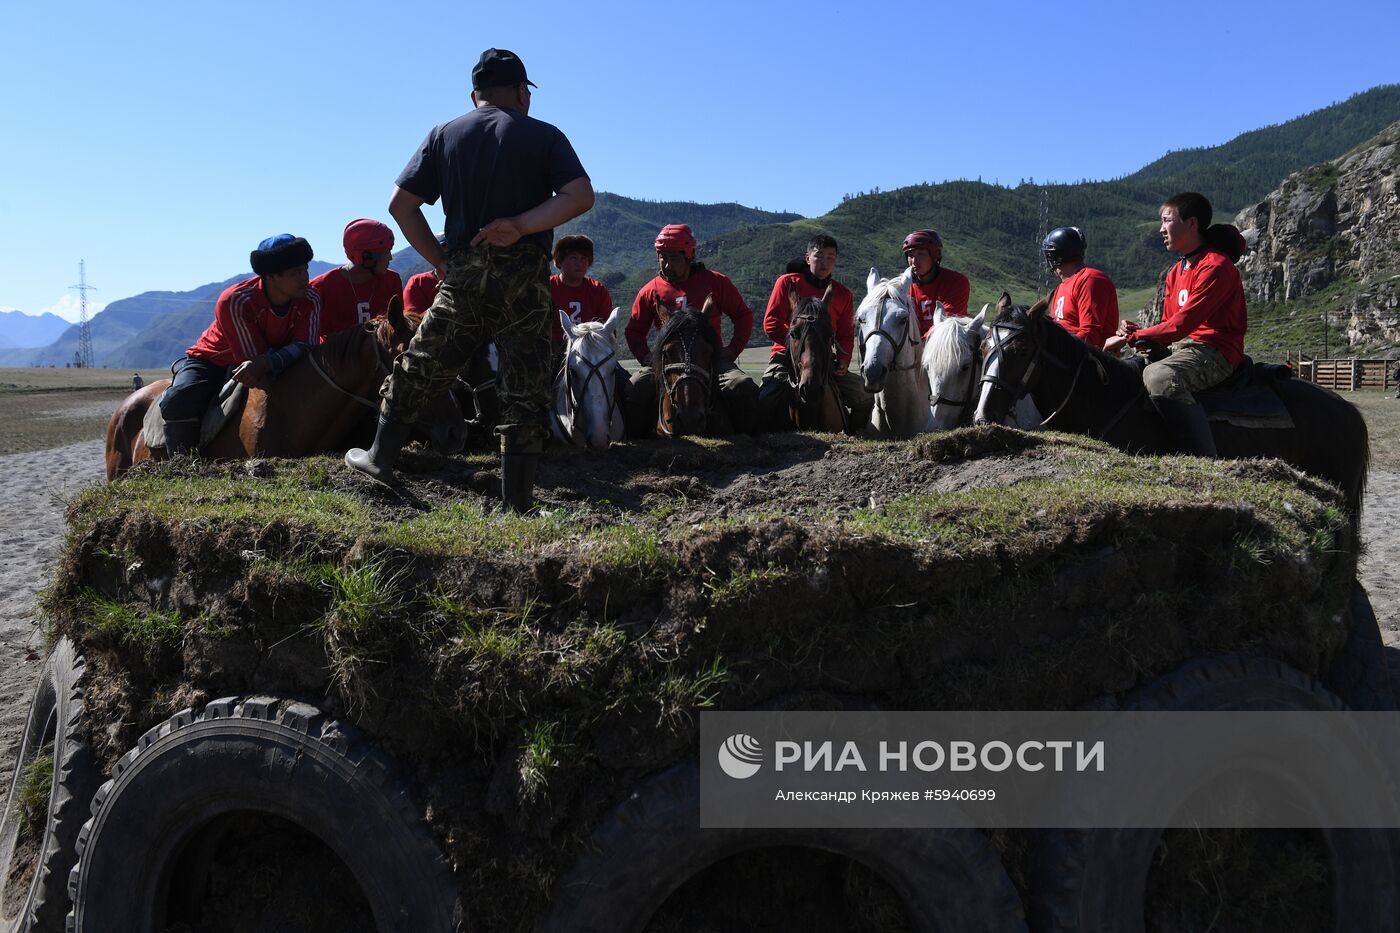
(530, 671)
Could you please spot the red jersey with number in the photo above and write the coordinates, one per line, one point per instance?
(1204, 303)
(345, 305)
(587, 301)
(949, 287)
(245, 325)
(1086, 305)
(842, 311)
(658, 299)
(420, 291)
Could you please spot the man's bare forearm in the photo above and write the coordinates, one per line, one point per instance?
(407, 211)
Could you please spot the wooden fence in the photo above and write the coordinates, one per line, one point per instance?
(1346, 374)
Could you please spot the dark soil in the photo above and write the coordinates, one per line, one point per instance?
(529, 673)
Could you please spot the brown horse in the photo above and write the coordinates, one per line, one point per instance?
(1090, 392)
(683, 367)
(816, 405)
(324, 402)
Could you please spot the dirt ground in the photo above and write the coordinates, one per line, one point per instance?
(35, 484)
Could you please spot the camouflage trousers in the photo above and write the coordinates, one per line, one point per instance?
(489, 293)
(1191, 367)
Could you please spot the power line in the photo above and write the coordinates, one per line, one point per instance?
(84, 330)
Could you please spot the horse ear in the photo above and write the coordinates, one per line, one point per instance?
(792, 301)
(1038, 308)
(1003, 303)
(709, 303)
(938, 314)
(872, 280)
(979, 319)
(610, 325)
(566, 322)
(395, 314)
(826, 295)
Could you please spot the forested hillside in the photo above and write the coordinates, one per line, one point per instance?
(992, 233)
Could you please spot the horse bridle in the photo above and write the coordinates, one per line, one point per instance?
(595, 371)
(1039, 352)
(688, 369)
(879, 331)
(794, 379)
(385, 366)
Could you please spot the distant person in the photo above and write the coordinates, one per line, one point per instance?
(1085, 303)
(810, 280)
(932, 284)
(136, 381)
(1203, 320)
(1395, 374)
(360, 290)
(682, 282)
(261, 326)
(506, 180)
(583, 298)
(572, 290)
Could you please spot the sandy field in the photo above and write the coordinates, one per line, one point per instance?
(35, 484)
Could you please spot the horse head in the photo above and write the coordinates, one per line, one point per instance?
(1012, 355)
(888, 333)
(441, 419)
(586, 405)
(809, 343)
(684, 369)
(951, 360)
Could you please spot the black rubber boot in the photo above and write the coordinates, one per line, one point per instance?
(518, 481)
(378, 461)
(1187, 425)
(182, 437)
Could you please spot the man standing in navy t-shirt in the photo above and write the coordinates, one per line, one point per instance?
(506, 181)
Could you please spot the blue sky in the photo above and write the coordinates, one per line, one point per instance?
(161, 141)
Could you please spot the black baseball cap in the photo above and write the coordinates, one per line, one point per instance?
(499, 68)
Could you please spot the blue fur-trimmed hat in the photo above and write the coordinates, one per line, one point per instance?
(280, 253)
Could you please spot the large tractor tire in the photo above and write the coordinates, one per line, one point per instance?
(51, 729)
(157, 822)
(1095, 881)
(946, 879)
(1361, 676)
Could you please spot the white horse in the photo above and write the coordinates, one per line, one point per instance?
(952, 365)
(586, 410)
(890, 351)
(952, 361)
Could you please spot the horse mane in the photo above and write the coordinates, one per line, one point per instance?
(1115, 366)
(882, 290)
(343, 345)
(946, 351)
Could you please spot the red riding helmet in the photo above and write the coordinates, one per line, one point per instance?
(366, 236)
(676, 238)
(927, 239)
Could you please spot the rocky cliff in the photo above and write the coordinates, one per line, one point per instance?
(1328, 239)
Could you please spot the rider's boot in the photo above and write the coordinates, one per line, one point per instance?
(518, 480)
(182, 436)
(1187, 425)
(378, 461)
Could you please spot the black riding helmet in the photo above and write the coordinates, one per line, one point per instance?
(1063, 244)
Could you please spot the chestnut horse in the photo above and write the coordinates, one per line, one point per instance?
(683, 367)
(816, 405)
(326, 401)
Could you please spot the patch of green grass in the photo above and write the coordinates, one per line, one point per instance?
(364, 597)
(678, 694)
(35, 785)
(742, 585)
(147, 632)
(543, 753)
(633, 546)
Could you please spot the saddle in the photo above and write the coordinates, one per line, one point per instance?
(1247, 399)
(226, 405)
